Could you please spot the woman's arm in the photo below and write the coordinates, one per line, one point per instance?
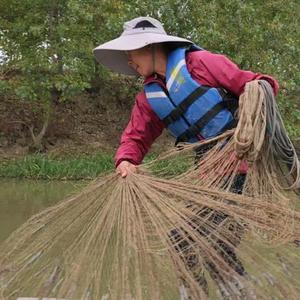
(217, 70)
(143, 128)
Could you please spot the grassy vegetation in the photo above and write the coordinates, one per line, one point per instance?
(86, 166)
(41, 166)
(38, 166)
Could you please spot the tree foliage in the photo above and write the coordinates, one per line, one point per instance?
(47, 45)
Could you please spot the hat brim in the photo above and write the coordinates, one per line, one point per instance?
(112, 54)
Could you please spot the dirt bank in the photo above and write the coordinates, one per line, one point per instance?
(86, 124)
(89, 123)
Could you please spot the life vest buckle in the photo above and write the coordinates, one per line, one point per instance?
(174, 115)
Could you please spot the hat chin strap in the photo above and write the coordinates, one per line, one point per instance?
(153, 58)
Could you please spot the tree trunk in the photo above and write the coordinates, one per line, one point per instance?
(37, 139)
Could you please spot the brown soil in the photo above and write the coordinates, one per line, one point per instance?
(87, 124)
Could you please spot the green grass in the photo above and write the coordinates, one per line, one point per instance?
(42, 166)
(39, 166)
(85, 166)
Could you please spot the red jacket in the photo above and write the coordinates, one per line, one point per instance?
(206, 68)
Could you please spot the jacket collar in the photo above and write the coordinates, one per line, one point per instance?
(155, 78)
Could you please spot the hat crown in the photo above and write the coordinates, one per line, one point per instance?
(143, 25)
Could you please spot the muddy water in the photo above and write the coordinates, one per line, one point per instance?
(20, 199)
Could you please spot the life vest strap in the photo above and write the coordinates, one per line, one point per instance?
(195, 129)
(232, 102)
(230, 125)
(178, 112)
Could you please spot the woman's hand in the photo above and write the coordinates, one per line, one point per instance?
(125, 168)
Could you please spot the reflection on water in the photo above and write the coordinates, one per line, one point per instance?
(20, 199)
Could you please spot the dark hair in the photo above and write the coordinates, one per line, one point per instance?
(170, 46)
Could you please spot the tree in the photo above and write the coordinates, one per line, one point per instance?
(48, 49)
(47, 45)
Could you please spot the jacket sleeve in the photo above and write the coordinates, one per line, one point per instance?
(219, 71)
(143, 128)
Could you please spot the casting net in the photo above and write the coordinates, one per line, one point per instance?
(181, 228)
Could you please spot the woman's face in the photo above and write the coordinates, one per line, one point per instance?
(141, 61)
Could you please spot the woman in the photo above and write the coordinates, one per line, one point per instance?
(188, 90)
(143, 49)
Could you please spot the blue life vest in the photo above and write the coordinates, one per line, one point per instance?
(186, 107)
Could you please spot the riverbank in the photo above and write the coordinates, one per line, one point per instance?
(74, 166)
(79, 144)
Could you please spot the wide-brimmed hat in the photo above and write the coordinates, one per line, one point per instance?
(138, 33)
